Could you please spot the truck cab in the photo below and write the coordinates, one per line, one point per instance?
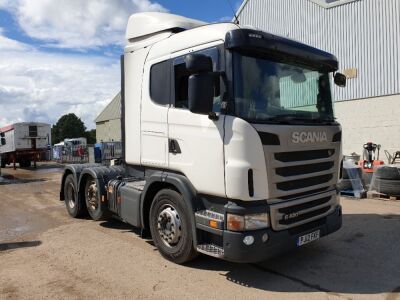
(231, 147)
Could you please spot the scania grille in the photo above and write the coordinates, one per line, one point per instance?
(297, 212)
(306, 216)
(303, 183)
(300, 172)
(304, 155)
(304, 169)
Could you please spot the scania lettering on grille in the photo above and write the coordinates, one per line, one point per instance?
(309, 137)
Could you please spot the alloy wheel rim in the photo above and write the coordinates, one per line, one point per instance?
(169, 226)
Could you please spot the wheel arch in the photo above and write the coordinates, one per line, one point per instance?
(67, 171)
(179, 183)
(101, 174)
(75, 170)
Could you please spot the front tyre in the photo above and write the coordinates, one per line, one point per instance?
(170, 227)
(96, 209)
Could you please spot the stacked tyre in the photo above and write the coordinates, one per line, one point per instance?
(386, 180)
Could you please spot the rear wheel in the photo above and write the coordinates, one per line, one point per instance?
(75, 207)
(170, 227)
(96, 209)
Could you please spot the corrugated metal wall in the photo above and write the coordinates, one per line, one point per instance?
(363, 34)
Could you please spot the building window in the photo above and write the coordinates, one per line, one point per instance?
(160, 83)
(33, 131)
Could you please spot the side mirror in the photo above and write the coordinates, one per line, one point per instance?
(201, 93)
(198, 63)
(340, 79)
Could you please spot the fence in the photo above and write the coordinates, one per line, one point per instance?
(71, 154)
(75, 154)
(106, 151)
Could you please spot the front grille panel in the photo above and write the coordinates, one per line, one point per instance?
(303, 183)
(298, 212)
(301, 172)
(304, 206)
(300, 195)
(304, 155)
(305, 216)
(304, 169)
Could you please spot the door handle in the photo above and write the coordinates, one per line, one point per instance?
(174, 146)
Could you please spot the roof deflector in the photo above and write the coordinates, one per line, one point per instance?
(150, 23)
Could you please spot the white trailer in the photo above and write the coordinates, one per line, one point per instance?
(24, 143)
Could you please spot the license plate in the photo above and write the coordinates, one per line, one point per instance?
(308, 238)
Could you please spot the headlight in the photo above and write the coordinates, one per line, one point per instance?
(256, 221)
(247, 222)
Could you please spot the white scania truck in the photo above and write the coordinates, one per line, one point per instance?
(231, 148)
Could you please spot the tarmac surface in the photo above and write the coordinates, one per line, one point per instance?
(46, 254)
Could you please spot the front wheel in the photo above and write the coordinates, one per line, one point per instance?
(170, 227)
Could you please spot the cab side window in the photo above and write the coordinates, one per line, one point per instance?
(181, 79)
(181, 85)
(160, 83)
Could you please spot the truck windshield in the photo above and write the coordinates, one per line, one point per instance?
(268, 91)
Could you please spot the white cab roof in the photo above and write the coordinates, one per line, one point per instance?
(191, 38)
(145, 24)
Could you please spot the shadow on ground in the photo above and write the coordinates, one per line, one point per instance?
(17, 245)
(361, 258)
(11, 179)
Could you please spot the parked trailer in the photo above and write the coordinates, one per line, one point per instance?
(24, 143)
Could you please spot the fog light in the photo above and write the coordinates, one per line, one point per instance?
(265, 237)
(248, 240)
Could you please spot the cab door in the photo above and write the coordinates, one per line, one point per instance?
(196, 146)
(154, 112)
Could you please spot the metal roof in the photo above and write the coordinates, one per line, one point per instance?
(111, 111)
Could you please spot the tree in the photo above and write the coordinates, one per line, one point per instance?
(68, 126)
(90, 136)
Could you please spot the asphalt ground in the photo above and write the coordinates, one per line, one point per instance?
(46, 254)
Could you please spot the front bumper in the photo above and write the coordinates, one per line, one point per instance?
(278, 241)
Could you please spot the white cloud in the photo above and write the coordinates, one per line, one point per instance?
(9, 44)
(76, 23)
(39, 86)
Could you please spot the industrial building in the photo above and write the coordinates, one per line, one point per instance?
(108, 122)
(365, 37)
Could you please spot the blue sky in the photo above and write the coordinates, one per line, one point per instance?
(61, 56)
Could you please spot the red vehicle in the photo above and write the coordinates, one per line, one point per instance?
(370, 157)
